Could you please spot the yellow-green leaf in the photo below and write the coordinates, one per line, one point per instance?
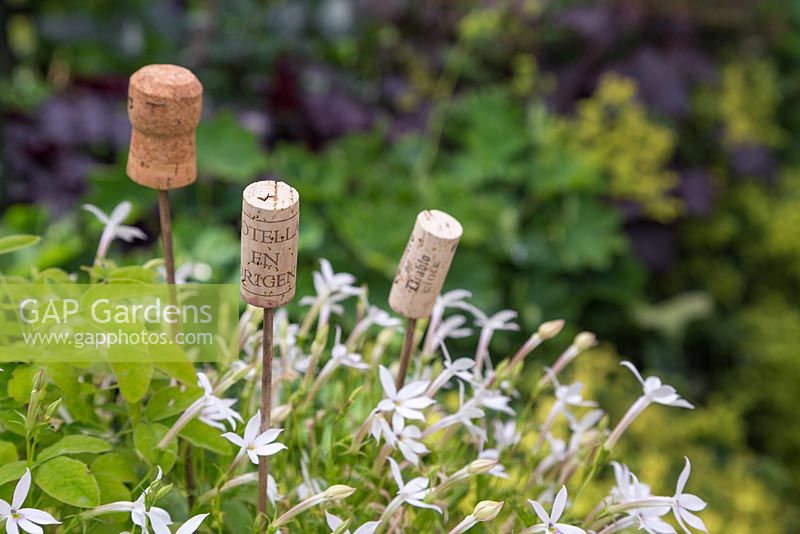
(69, 481)
(75, 444)
(10, 243)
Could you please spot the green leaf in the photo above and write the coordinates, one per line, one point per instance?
(8, 452)
(75, 444)
(21, 383)
(170, 401)
(11, 420)
(68, 481)
(133, 379)
(120, 466)
(111, 489)
(205, 437)
(11, 243)
(11, 472)
(179, 370)
(66, 378)
(591, 235)
(146, 438)
(228, 151)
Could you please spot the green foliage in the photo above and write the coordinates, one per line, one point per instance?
(227, 151)
(69, 481)
(74, 444)
(632, 150)
(13, 243)
(748, 103)
(538, 191)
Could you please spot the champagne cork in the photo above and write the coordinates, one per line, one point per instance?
(425, 263)
(164, 107)
(270, 217)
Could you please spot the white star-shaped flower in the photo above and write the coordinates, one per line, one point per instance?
(113, 227)
(334, 523)
(683, 504)
(256, 444)
(414, 491)
(27, 519)
(550, 524)
(407, 403)
(408, 441)
(215, 409)
(655, 391)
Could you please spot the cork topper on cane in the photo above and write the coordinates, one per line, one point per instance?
(164, 107)
(422, 272)
(270, 219)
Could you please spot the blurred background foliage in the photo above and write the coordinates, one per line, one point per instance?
(627, 165)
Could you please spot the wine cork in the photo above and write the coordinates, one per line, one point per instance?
(270, 217)
(425, 263)
(164, 107)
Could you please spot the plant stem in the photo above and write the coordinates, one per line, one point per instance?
(189, 473)
(408, 348)
(165, 216)
(266, 409)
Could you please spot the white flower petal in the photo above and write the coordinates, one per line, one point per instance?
(38, 516)
(191, 526)
(234, 438)
(559, 504)
(367, 528)
(540, 511)
(252, 428)
(684, 476)
(420, 504)
(414, 389)
(691, 502)
(387, 381)
(29, 527)
(398, 478)
(269, 450)
(333, 521)
(693, 520)
(268, 436)
(21, 490)
(633, 370)
(97, 212)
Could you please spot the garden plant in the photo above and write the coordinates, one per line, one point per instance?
(335, 428)
(627, 167)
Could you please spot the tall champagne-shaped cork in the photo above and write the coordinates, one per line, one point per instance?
(270, 217)
(425, 263)
(164, 107)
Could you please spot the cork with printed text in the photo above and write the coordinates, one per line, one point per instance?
(425, 263)
(270, 219)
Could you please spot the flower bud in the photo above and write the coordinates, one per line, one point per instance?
(481, 466)
(320, 339)
(487, 510)
(550, 329)
(386, 335)
(338, 492)
(280, 413)
(161, 492)
(38, 380)
(53, 408)
(585, 340)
